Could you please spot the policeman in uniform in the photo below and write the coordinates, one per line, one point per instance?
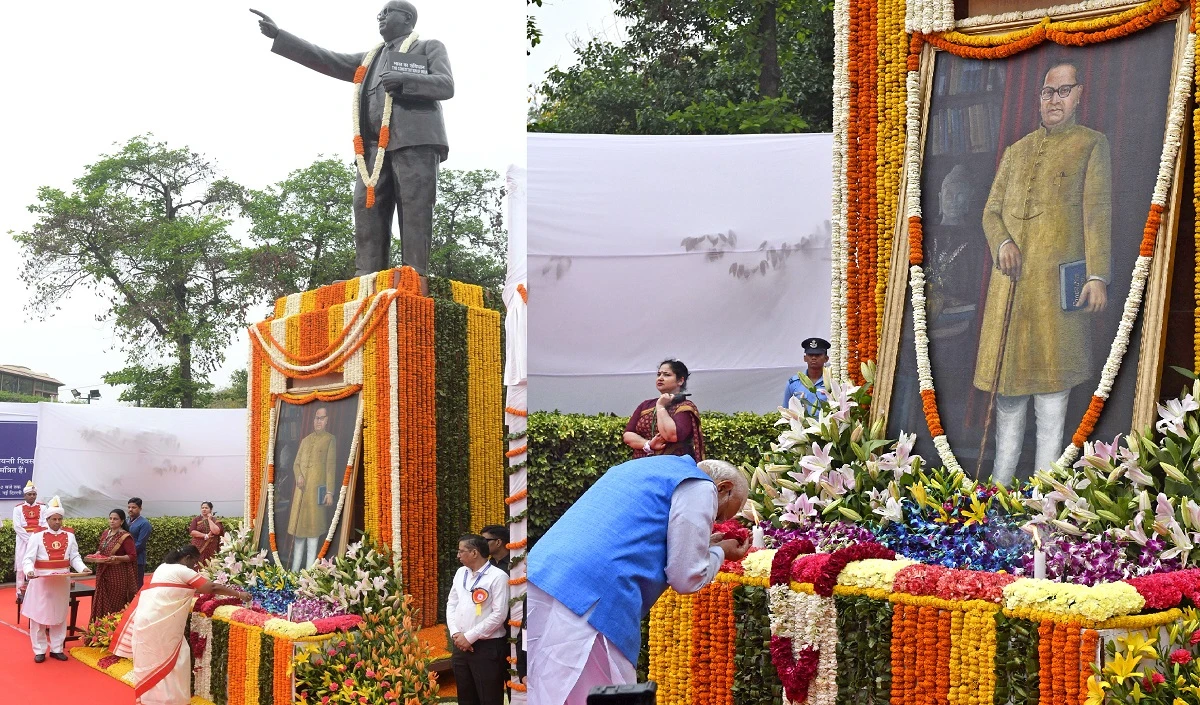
(816, 354)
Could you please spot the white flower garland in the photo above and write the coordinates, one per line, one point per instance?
(928, 16)
(839, 350)
(1172, 142)
(341, 503)
(202, 625)
(394, 435)
(372, 178)
(351, 339)
(1031, 15)
(808, 620)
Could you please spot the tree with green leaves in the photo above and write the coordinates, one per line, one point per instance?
(470, 243)
(146, 229)
(698, 67)
(532, 33)
(303, 228)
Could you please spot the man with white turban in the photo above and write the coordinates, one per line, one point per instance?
(49, 556)
(29, 517)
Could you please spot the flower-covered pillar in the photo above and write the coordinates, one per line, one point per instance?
(516, 412)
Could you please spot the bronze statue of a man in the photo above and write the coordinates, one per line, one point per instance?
(408, 76)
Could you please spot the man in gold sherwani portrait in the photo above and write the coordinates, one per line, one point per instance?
(1048, 223)
(316, 481)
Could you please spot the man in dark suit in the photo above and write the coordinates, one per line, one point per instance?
(417, 135)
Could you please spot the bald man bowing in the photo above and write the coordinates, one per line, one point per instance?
(645, 525)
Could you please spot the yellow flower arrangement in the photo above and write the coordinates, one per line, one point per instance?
(1096, 603)
(671, 647)
(874, 573)
(289, 630)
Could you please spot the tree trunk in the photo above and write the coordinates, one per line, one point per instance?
(769, 74)
(188, 392)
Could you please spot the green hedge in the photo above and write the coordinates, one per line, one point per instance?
(568, 452)
(166, 534)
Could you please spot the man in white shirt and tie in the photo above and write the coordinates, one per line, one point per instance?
(476, 613)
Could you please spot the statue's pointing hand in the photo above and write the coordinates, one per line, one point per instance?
(267, 25)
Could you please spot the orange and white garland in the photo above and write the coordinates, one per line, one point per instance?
(360, 74)
(1172, 143)
(337, 512)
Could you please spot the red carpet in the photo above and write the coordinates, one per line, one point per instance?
(28, 682)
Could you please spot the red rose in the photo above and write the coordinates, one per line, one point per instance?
(1158, 678)
(1181, 656)
(1195, 638)
(1147, 685)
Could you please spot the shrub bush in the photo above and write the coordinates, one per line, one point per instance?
(568, 452)
(166, 534)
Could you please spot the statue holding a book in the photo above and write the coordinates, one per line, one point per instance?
(1048, 223)
(400, 137)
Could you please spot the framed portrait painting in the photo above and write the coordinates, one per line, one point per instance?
(1037, 173)
(308, 498)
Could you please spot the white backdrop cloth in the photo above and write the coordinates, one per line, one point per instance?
(516, 358)
(631, 244)
(97, 457)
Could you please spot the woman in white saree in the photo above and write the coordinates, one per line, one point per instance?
(154, 628)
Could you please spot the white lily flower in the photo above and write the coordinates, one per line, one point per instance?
(892, 510)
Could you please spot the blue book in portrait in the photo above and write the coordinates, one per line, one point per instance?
(1072, 276)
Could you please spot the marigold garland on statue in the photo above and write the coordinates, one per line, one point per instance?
(371, 179)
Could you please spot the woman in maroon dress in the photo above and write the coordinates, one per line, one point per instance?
(206, 532)
(116, 567)
(667, 424)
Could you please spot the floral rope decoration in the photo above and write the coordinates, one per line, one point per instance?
(360, 74)
(361, 330)
(1077, 33)
(349, 471)
(781, 563)
(804, 644)
(670, 647)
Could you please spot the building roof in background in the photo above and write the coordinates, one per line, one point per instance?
(23, 371)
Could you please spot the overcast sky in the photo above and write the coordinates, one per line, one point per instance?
(81, 76)
(566, 24)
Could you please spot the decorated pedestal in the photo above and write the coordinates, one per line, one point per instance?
(848, 627)
(428, 372)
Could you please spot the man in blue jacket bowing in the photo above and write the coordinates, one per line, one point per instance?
(645, 525)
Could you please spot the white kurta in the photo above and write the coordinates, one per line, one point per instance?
(47, 598)
(23, 538)
(567, 656)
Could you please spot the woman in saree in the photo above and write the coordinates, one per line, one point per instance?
(153, 630)
(668, 424)
(206, 532)
(116, 567)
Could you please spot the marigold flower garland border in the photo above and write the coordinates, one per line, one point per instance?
(1068, 33)
(940, 649)
(300, 399)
